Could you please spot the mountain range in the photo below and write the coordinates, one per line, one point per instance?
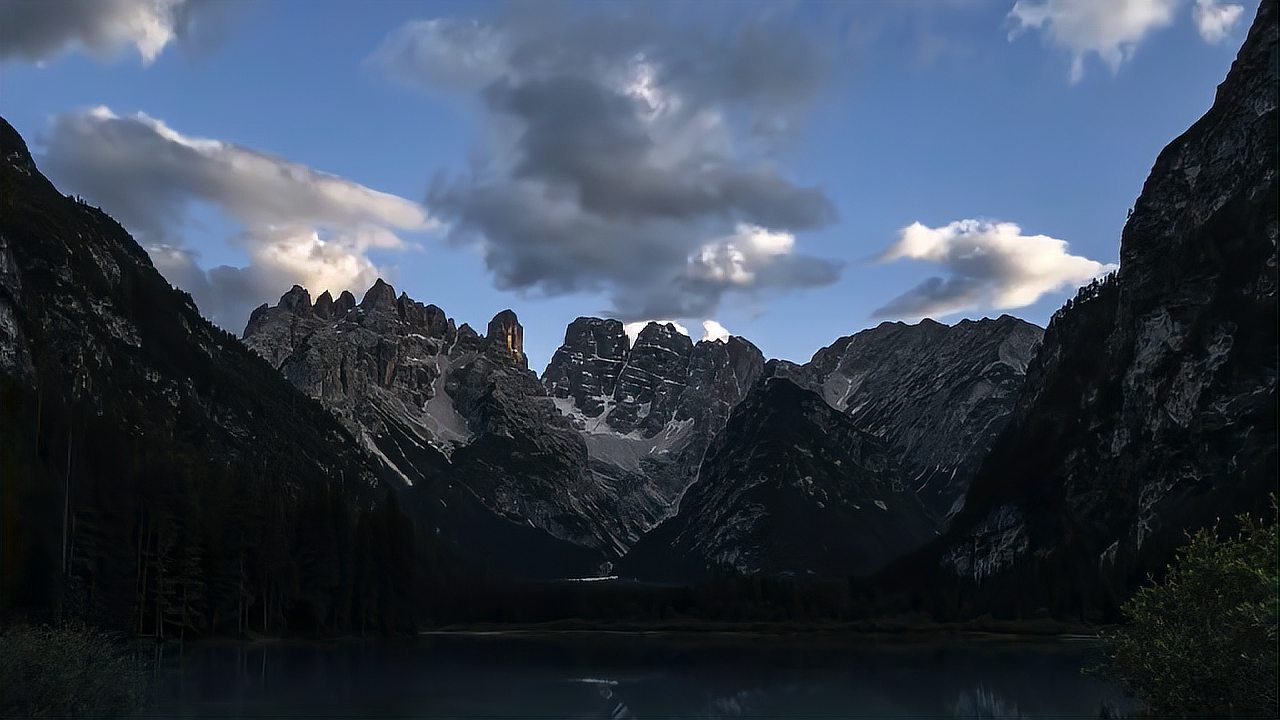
(345, 460)
(602, 448)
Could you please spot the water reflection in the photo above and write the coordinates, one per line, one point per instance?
(632, 676)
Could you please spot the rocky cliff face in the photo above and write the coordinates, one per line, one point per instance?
(791, 486)
(937, 394)
(456, 415)
(647, 413)
(1151, 408)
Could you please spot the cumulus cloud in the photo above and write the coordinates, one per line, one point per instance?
(622, 151)
(632, 329)
(1214, 20)
(714, 331)
(299, 225)
(37, 30)
(1110, 29)
(991, 265)
(711, 330)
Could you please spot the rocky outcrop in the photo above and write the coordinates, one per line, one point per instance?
(507, 334)
(585, 368)
(939, 395)
(1151, 408)
(647, 413)
(791, 486)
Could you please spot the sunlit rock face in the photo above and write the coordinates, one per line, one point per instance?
(506, 332)
(1151, 408)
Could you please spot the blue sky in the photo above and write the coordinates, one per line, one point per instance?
(933, 112)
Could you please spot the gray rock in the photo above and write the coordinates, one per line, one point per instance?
(1150, 411)
(938, 394)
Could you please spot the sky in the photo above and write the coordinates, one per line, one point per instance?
(790, 172)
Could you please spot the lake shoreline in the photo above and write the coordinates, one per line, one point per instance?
(905, 631)
(975, 630)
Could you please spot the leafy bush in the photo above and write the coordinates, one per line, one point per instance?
(72, 671)
(1202, 642)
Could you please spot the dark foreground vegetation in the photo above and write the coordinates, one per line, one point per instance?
(71, 671)
(1203, 641)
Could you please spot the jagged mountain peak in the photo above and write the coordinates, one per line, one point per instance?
(345, 302)
(379, 296)
(13, 150)
(506, 333)
(663, 333)
(297, 300)
(324, 306)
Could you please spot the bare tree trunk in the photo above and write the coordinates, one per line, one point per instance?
(39, 413)
(66, 505)
(240, 609)
(146, 566)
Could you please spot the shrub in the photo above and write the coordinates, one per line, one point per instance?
(71, 671)
(1203, 640)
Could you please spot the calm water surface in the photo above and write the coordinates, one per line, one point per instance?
(604, 675)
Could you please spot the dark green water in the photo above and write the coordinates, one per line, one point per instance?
(633, 676)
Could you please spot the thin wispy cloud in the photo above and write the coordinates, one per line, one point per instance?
(299, 225)
(988, 265)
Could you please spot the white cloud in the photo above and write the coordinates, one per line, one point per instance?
(991, 265)
(632, 329)
(1110, 29)
(37, 30)
(145, 172)
(714, 331)
(1214, 20)
(299, 225)
(711, 330)
(735, 259)
(277, 260)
